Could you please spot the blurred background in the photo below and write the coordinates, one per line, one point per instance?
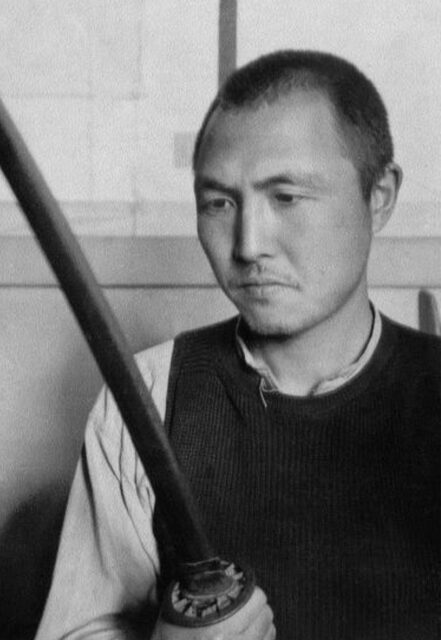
(108, 95)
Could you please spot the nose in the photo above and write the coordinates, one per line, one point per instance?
(253, 232)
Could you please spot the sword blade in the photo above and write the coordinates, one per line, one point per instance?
(107, 343)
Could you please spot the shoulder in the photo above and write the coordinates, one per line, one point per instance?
(154, 365)
(212, 334)
(154, 362)
(410, 336)
(200, 349)
(107, 440)
(417, 349)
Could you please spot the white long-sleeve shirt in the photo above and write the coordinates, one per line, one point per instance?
(107, 562)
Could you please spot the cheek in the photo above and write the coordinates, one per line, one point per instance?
(215, 243)
(331, 252)
(206, 235)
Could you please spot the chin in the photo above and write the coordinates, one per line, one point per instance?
(270, 327)
(281, 323)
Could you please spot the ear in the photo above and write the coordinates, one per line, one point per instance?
(384, 196)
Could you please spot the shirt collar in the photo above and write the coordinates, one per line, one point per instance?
(268, 383)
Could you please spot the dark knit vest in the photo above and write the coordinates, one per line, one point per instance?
(332, 499)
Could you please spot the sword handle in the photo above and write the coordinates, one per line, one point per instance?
(206, 593)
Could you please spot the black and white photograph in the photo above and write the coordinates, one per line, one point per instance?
(220, 295)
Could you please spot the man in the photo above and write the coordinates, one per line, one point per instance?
(309, 425)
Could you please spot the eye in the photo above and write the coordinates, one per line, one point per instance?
(215, 205)
(286, 198)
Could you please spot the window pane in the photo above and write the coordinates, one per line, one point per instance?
(111, 124)
(179, 75)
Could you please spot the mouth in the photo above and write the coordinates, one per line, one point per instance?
(260, 288)
(249, 283)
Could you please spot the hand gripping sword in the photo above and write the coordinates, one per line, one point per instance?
(207, 589)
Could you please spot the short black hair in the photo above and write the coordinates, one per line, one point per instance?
(359, 109)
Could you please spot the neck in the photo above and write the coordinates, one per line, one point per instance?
(298, 363)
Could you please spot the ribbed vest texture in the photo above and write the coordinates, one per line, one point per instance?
(333, 500)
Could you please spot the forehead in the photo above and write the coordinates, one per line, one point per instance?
(298, 129)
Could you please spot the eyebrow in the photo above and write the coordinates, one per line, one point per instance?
(303, 179)
(205, 182)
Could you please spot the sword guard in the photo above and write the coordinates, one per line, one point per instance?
(207, 592)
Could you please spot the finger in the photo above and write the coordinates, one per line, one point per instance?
(260, 623)
(271, 634)
(253, 608)
(260, 626)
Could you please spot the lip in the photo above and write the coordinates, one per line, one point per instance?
(263, 289)
(261, 284)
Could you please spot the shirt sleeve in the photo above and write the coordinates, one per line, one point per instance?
(107, 564)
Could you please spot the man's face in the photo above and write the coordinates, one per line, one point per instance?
(281, 215)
